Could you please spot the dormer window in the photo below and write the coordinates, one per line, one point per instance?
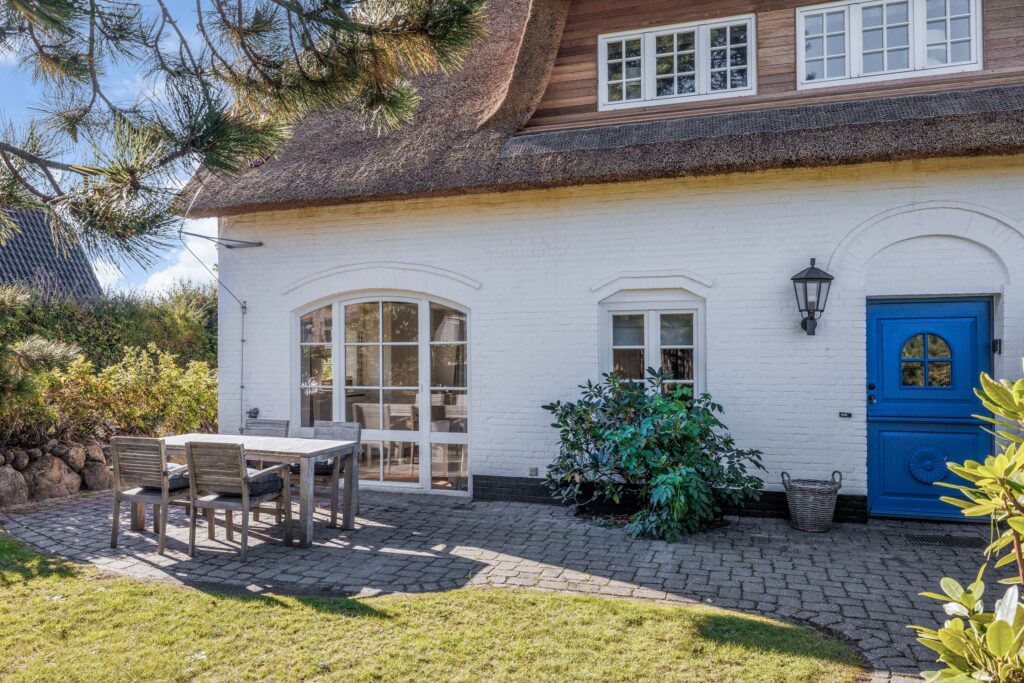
(850, 42)
(677, 63)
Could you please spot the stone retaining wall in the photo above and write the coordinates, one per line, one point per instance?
(53, 471)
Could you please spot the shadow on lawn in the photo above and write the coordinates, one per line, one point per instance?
(18, 564)
(756, 635)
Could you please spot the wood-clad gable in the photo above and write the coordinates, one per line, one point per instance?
(571, 96)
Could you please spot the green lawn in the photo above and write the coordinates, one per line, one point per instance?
(60, 621)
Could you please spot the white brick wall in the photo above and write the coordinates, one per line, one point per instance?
(527, 264)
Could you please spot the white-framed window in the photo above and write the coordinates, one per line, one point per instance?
(644, 336)
(694, 61)
(402, 366)
(874, 40)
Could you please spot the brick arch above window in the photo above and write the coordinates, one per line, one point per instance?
(414, 278)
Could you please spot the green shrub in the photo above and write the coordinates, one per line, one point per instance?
(147, 392)
(654, 442)
(182, 321)
(976, 644)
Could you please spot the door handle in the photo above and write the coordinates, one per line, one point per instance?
(871, 399)
(871, 386)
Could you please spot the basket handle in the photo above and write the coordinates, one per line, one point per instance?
(837, 478)
(785, 480)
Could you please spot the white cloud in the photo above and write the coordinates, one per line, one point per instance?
(107, 272)
(182, 264)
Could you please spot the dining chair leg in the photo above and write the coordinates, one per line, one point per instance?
(192, 514)
(162, 542)
(288, 515)
(211, 523)
(245, 535)
(335, 478)
(117, 521)
(229, 524)
(156, 519)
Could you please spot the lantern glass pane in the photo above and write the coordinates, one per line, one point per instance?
(826, 285)
(801, 295)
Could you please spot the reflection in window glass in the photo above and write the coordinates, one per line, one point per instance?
(885, 37)
(448, 411)
(362, 323)
(449, 467)
(369, 460)
(401, 461)
(926, 361)
(628, 345)
(448, 365)
(316, 367)
(447, 324)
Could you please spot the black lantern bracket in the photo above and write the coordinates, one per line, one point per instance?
(811, 286)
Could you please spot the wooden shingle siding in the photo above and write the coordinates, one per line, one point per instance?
(570, 99)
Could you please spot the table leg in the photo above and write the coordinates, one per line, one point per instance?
(305, 503)
(138, 516)
(348, 517)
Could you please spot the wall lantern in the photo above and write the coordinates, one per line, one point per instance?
(811, 286)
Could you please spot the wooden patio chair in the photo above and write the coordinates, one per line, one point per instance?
(263, 426)
(327, 475)
(143, 475)
(219, 480)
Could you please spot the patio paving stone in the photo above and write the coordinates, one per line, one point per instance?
(861, 581)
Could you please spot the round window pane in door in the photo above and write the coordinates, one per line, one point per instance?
(926, 360)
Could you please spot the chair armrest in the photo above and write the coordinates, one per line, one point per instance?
(269, 470)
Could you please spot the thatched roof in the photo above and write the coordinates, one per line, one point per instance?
(463, 139)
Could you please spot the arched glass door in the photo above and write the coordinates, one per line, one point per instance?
(405, 379)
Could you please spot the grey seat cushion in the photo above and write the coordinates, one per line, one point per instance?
(177, 478)
(268, 483)
(320, 469)
(258, 486)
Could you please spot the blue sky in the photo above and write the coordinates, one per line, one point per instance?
(19, 96)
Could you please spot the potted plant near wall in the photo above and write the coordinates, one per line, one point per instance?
(652, 451)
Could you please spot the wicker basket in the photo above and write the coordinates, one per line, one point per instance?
(812, 502)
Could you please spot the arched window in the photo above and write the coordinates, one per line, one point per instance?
(926, 361)
(402, 374)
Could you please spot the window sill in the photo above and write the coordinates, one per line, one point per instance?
(893, 76)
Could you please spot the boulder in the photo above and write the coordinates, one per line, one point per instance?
(3, 458)
(50, 477)
(58, 451)
(97, 476)
(34, 453)
(50, 445)
(19, 460)
(13, 489)
(94, 453)
(74, 458)
(108, 454)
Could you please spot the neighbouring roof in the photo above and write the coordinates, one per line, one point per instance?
(464, 140)
(31, 257)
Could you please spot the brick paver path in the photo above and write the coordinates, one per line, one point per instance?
(860, 581)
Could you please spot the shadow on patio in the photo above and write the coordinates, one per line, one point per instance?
(860, 581)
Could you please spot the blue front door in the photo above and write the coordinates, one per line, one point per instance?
(924, 358)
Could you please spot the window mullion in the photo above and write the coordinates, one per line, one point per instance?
(856, 42)
(647, 60)
(703, 60)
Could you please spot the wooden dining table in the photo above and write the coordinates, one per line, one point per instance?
(303, 452)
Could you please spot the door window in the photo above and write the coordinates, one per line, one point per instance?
(926, 361)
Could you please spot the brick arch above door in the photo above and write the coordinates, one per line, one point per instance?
(999, 234)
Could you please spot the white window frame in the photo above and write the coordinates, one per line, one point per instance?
(702, 57)
(652, 311)
(854, 45)
(424, 437)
